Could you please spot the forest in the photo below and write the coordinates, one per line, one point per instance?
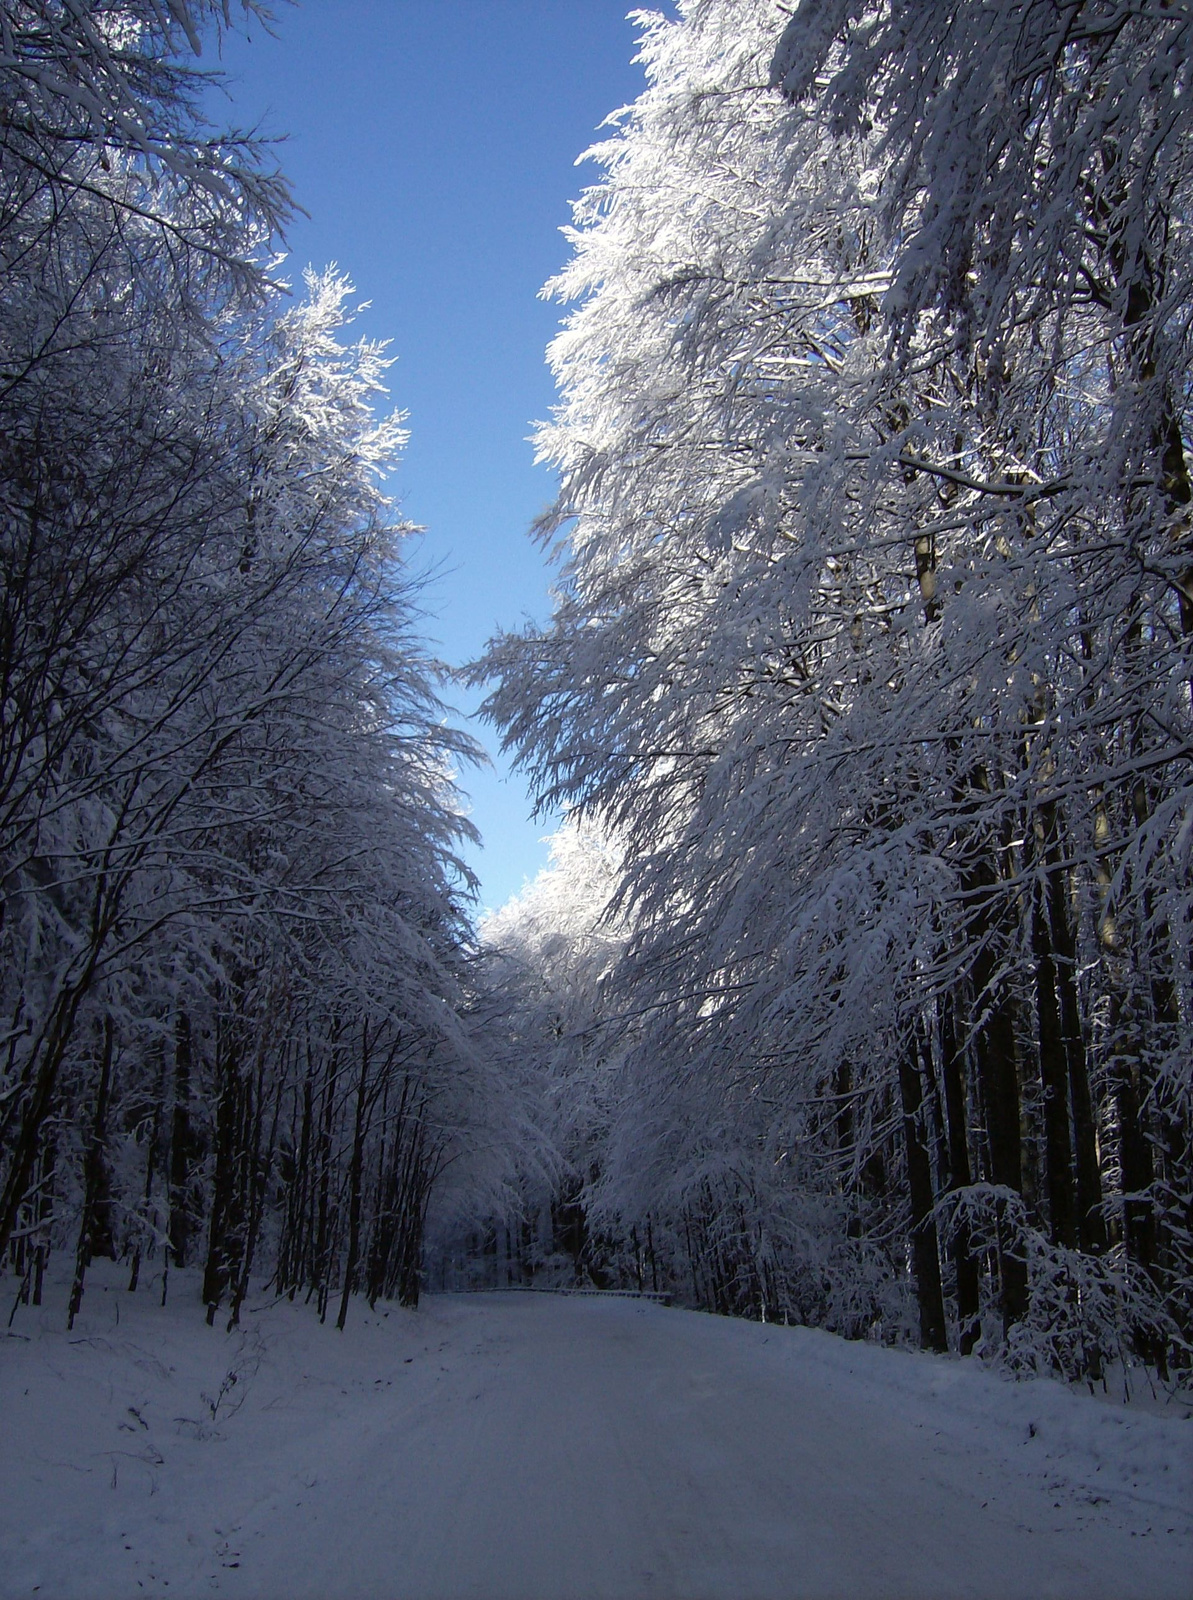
(859, 991)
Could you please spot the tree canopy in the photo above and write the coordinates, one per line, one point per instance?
(872, 646)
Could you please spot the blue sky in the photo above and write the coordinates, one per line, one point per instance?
(433, 144)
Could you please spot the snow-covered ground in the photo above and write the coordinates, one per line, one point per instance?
(520, 1447)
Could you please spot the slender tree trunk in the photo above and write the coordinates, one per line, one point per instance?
(1090, 1223)
(924, 1247)
(93, 1178)
(355, 1176)
(998, 1076)
(260, 1167)
(226, 1215)
(414, 1216)
(1054, 1077)
(151, 1158)
(321, 1275)
(181, 1144)
(965, 1267)
(44, 1211)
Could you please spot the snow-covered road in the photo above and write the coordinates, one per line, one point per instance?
(530, 1446)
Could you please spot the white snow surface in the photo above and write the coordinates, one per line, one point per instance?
(537, 1447)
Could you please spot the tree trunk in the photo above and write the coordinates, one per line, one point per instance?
(1090, 1223)
(181, 1143)
(226, 1200)
(994, 1051)
(924, 1249)
(355, 1180)
(94, 1233)
(964, 1265)
(1054, 1078)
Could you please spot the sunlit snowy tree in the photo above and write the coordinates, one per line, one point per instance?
(870, 644)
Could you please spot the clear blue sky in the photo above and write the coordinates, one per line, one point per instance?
(433, 144)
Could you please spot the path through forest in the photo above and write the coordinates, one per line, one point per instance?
(532, 1446)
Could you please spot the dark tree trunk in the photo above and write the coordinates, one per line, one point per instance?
(259, 1169)
(1135, 1158)
(650, 1256)
(94, 1232)
(151, 1159)
(965, 1267)
(1089, 1221)
(1054, 1079)
(181, 1146)
(225, 1238)
(321, 1266)
(355, 1182)
(998, 1077)
(924, 1249)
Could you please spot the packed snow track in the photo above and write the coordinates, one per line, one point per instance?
(535, 1447)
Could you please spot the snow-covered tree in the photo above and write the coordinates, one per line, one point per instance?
(543, 960)
(870, 647)
(234, 943)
